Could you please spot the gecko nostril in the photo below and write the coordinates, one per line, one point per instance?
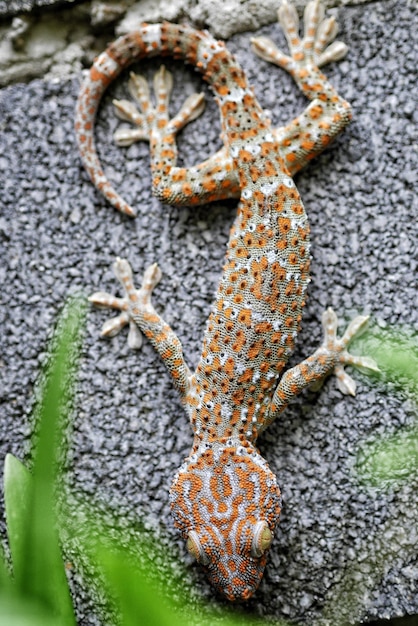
(247, 593)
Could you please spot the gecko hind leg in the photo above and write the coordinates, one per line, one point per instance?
(145, 117)
(136, 309)
(213, 179)
(328, 113)
(316, 47)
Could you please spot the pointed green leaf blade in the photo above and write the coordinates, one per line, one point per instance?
(36, 553)
(135, 597)
(18, 487)
(16, 611)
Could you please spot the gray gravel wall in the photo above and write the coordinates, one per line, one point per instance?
(58, 236)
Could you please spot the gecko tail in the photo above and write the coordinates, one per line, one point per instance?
(143, 43)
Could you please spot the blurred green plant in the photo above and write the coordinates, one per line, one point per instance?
(392, 458)
(389, 460)
(396, 352)
(36, 590)
(33, 586)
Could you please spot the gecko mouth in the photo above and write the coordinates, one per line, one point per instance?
(237, 578)
(239, 591)
(245, 595)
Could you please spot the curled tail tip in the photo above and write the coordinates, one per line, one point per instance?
(102, 184)
(128, 210)
(119, 204)
(93, 167)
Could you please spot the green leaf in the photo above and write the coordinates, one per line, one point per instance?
(135, 597)
(30, 499)
(15, 611)
(17, 495)
(390, 459)
(34, 543)
(5, 579)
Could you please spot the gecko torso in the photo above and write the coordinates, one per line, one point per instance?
(225, 499)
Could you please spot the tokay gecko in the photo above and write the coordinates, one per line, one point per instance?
(225, 500)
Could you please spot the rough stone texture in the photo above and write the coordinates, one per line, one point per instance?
(210, 7)
(59, 42)
(14, 7)
(223, 19)
(58, 236)
(68, 35)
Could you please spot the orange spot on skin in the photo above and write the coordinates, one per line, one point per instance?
(245, 156)
(245, 317)
(179, 175)
(307, 145)
(239, 341)
(246, 376)
(187, 189)
(291, 157)
(96, 74)
(209, 185)
(284, 225)
(255, 348)
(263, 327)
(315, 112)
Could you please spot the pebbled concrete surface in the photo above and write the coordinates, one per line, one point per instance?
(54, 38)
(58, 236)
(210, 9)
(14, 7)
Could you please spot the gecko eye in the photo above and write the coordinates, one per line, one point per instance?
(261, 540)
(194, 547)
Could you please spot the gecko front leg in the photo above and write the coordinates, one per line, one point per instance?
(137, 310)
(331, 357)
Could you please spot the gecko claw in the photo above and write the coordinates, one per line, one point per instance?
(317, 45)
(133, 298)
(331, 343)
(145, 117)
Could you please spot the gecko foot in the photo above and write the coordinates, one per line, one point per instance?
(148, 117)
(134, 298)
(332, 344)
(317, 46)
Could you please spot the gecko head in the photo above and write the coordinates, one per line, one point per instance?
(225, 501)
